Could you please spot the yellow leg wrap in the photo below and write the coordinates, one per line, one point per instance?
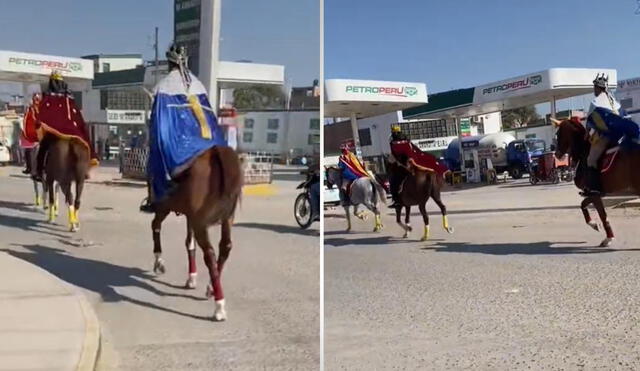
(72, 214)
(378, 226)
(425, 237)
(52, 215)
(38, 201)
(445, 222)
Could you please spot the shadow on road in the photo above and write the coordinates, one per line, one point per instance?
(20, 206)
(32, 225)
(368, 241)
(533, 248)
(100, 277)
(500, 210)
(278, 228)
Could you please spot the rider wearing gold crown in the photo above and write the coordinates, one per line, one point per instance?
(58, 117)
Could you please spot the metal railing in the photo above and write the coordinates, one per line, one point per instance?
(257, 166)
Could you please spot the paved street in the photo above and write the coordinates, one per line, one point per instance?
(520, 285)
(149, 322)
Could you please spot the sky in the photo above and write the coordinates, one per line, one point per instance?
(463, 43)
(282, 32)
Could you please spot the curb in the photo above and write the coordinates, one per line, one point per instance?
(91, 345)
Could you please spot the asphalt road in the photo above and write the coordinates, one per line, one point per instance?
(149, 322)
(521, 284)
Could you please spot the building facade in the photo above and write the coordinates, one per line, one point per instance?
(285, 134)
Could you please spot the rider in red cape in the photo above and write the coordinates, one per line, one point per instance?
(29, 134)
(407, 153)
(58, 117)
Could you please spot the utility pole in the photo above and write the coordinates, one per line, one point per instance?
(155, 72)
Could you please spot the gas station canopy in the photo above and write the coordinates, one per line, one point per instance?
(534, 88)
(366, 98)
(36, 68)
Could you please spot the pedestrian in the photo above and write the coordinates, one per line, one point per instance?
(106, 149)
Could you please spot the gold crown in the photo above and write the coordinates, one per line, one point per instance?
(56, 75)
(395, 129)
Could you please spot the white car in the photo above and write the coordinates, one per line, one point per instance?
(331, 196)
(5, 155)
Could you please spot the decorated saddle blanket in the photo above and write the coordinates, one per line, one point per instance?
(183, 126)
(59, 116)
(614, 127)
(423, 161)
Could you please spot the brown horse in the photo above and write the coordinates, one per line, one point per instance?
(67, 162)
(622, 176)
(418, 186)
(207, 194)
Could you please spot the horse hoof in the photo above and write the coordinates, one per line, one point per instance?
(449, 230)
(409, 228)
(220, 313)
(191, 282)
(594, 225)
(606, 242)
(158, 267)
(424, 239)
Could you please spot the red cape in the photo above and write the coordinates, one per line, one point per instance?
(58, 115)
(424, 160)
(29, 135)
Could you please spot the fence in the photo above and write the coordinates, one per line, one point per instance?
(258, 166)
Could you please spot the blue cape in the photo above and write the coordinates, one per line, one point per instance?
(175, 133)
(612, 126)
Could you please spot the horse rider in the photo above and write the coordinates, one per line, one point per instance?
(351, 168)
(314, 188)
(29, 135)
(183, 126)
(58, 117)
(599, 139)
(396, 178)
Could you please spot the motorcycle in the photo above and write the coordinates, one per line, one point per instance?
(302, 204)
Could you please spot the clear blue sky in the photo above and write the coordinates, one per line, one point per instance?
(275, 31)
(463, 43)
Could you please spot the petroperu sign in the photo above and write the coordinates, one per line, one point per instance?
(125, 117)
(46, 64)
(509, 86)
(629, 84)
(404, 91)
(433, 143)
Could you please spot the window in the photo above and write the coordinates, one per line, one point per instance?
(314, 124)
(124, 99)
(106, 67)
(365, 137)
(248, 123)
(272, 138)
(77, 97)
(626, 103)
(247, 137)
(273, 124)
(427, 129)
(314, 139)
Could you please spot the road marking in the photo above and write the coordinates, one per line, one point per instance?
(259, 190)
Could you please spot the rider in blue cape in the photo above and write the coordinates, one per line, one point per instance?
(608, 125)
(183, 126)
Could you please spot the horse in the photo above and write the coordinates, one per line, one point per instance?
(40, 188)
(418, 186)
(622, 176)
(365, 191)
(207, 193)
(67, 162)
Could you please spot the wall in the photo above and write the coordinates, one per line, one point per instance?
(293, 131)
(117, 64)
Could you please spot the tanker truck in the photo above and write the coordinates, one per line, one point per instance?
(506, 153)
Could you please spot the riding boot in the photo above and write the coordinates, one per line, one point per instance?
(42, 155)
(593, 187)
(27, 157)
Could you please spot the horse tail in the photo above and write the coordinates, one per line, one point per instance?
(378, 192)
(231, 177)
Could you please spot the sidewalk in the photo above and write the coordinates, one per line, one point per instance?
(45, 324)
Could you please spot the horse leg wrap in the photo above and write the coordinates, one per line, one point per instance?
(445, 222)
(52, 215)
(425, 237)
(378, 226)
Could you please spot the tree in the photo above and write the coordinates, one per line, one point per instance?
(259, 97)
(519, 117)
